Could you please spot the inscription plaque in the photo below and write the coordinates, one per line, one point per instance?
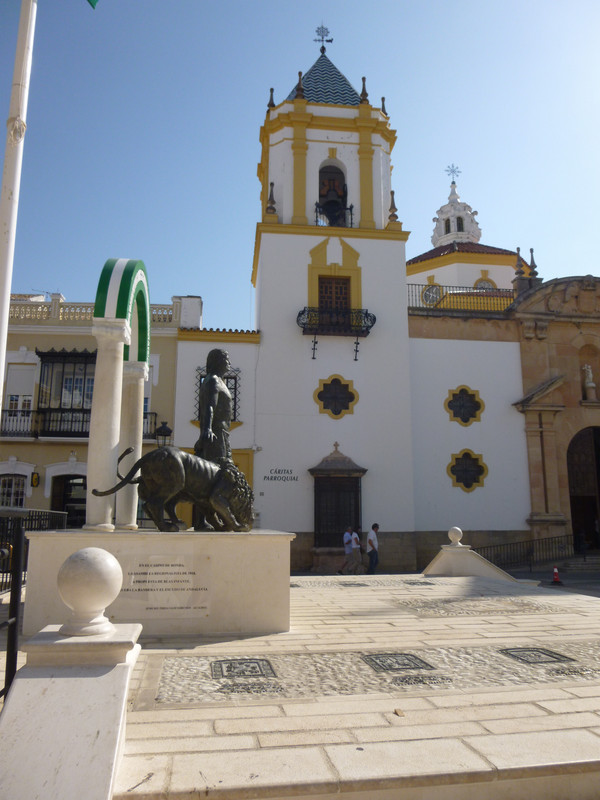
(165, 583)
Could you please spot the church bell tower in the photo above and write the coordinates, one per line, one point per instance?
(329, 270)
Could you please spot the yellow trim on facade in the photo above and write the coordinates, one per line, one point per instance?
(477, 415)
(314, 230)
(300, 120)
(365, 126)
(478, 456)
(485, 276)
(243, 458)
(245, 337)
(348, 269)
(456, 257)
(380, 126)
(321, 386)
(262, 171)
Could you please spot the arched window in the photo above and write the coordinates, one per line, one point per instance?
(447, 226)
(460, 224)
(333, 196)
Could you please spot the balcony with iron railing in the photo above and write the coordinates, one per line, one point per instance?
(64, 423)
(432, 298)
(356, 322)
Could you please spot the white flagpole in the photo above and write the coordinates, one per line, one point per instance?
(11, 176)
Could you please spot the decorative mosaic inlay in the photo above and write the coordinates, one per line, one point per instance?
(474, 606)
(534, 655)
(252, 688)
(242, 668)
(391, 662)
(326, 582)
(576, 672)
(352, 585)
(189, 679)
(421, 680)
(418, 583)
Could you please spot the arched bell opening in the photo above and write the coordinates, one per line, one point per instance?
(583, 465)
(331, 207)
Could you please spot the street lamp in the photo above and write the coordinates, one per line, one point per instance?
(163, 434)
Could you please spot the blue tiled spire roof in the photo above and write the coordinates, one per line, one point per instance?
(324, 83)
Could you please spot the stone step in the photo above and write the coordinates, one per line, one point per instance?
(581, 566)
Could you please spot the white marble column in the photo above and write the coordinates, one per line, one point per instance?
(135, 373)
(111, 335)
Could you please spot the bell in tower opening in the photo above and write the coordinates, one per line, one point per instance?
(333, 195)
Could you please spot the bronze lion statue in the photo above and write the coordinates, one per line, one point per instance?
(169, 475)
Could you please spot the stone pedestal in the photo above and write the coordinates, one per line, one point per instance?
(187, 583)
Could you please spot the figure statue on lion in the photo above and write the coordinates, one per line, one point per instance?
(209, 479)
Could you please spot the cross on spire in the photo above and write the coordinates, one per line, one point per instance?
(453, 171)
(322, 32)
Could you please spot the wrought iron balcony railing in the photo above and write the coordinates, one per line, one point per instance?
(340, 216)
(355, 322)
(59, 422)
(447, 299)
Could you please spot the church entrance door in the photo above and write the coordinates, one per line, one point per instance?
(583, 464)
(337, 505)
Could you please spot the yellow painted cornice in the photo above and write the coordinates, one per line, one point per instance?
(216, 335)
(386, 234)
(345, 124)
(456, 257)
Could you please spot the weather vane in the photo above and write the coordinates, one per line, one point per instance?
(322, 32)
(453, 171)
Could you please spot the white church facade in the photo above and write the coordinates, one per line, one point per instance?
(377, 389)
(451, 389)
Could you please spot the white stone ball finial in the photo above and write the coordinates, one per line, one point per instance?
(89, 581)
(455, 535)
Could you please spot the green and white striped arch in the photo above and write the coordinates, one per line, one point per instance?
(123, 294)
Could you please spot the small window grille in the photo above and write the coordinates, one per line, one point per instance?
(232, 381)
(464, 405)
(467, 470)
(336, 396)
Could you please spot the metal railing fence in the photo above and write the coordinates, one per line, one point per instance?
(528, 553)
(59, 423)
(437, 298)
(33, 519)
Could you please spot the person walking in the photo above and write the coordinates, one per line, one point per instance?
(347, 551)
(356, 565)
(373, 549)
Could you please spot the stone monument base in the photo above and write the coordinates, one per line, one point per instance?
(186, 583)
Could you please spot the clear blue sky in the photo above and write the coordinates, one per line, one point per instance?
(144, 117)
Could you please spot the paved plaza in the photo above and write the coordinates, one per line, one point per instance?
(401, 686)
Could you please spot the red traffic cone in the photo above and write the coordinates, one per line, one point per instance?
(556, 579)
